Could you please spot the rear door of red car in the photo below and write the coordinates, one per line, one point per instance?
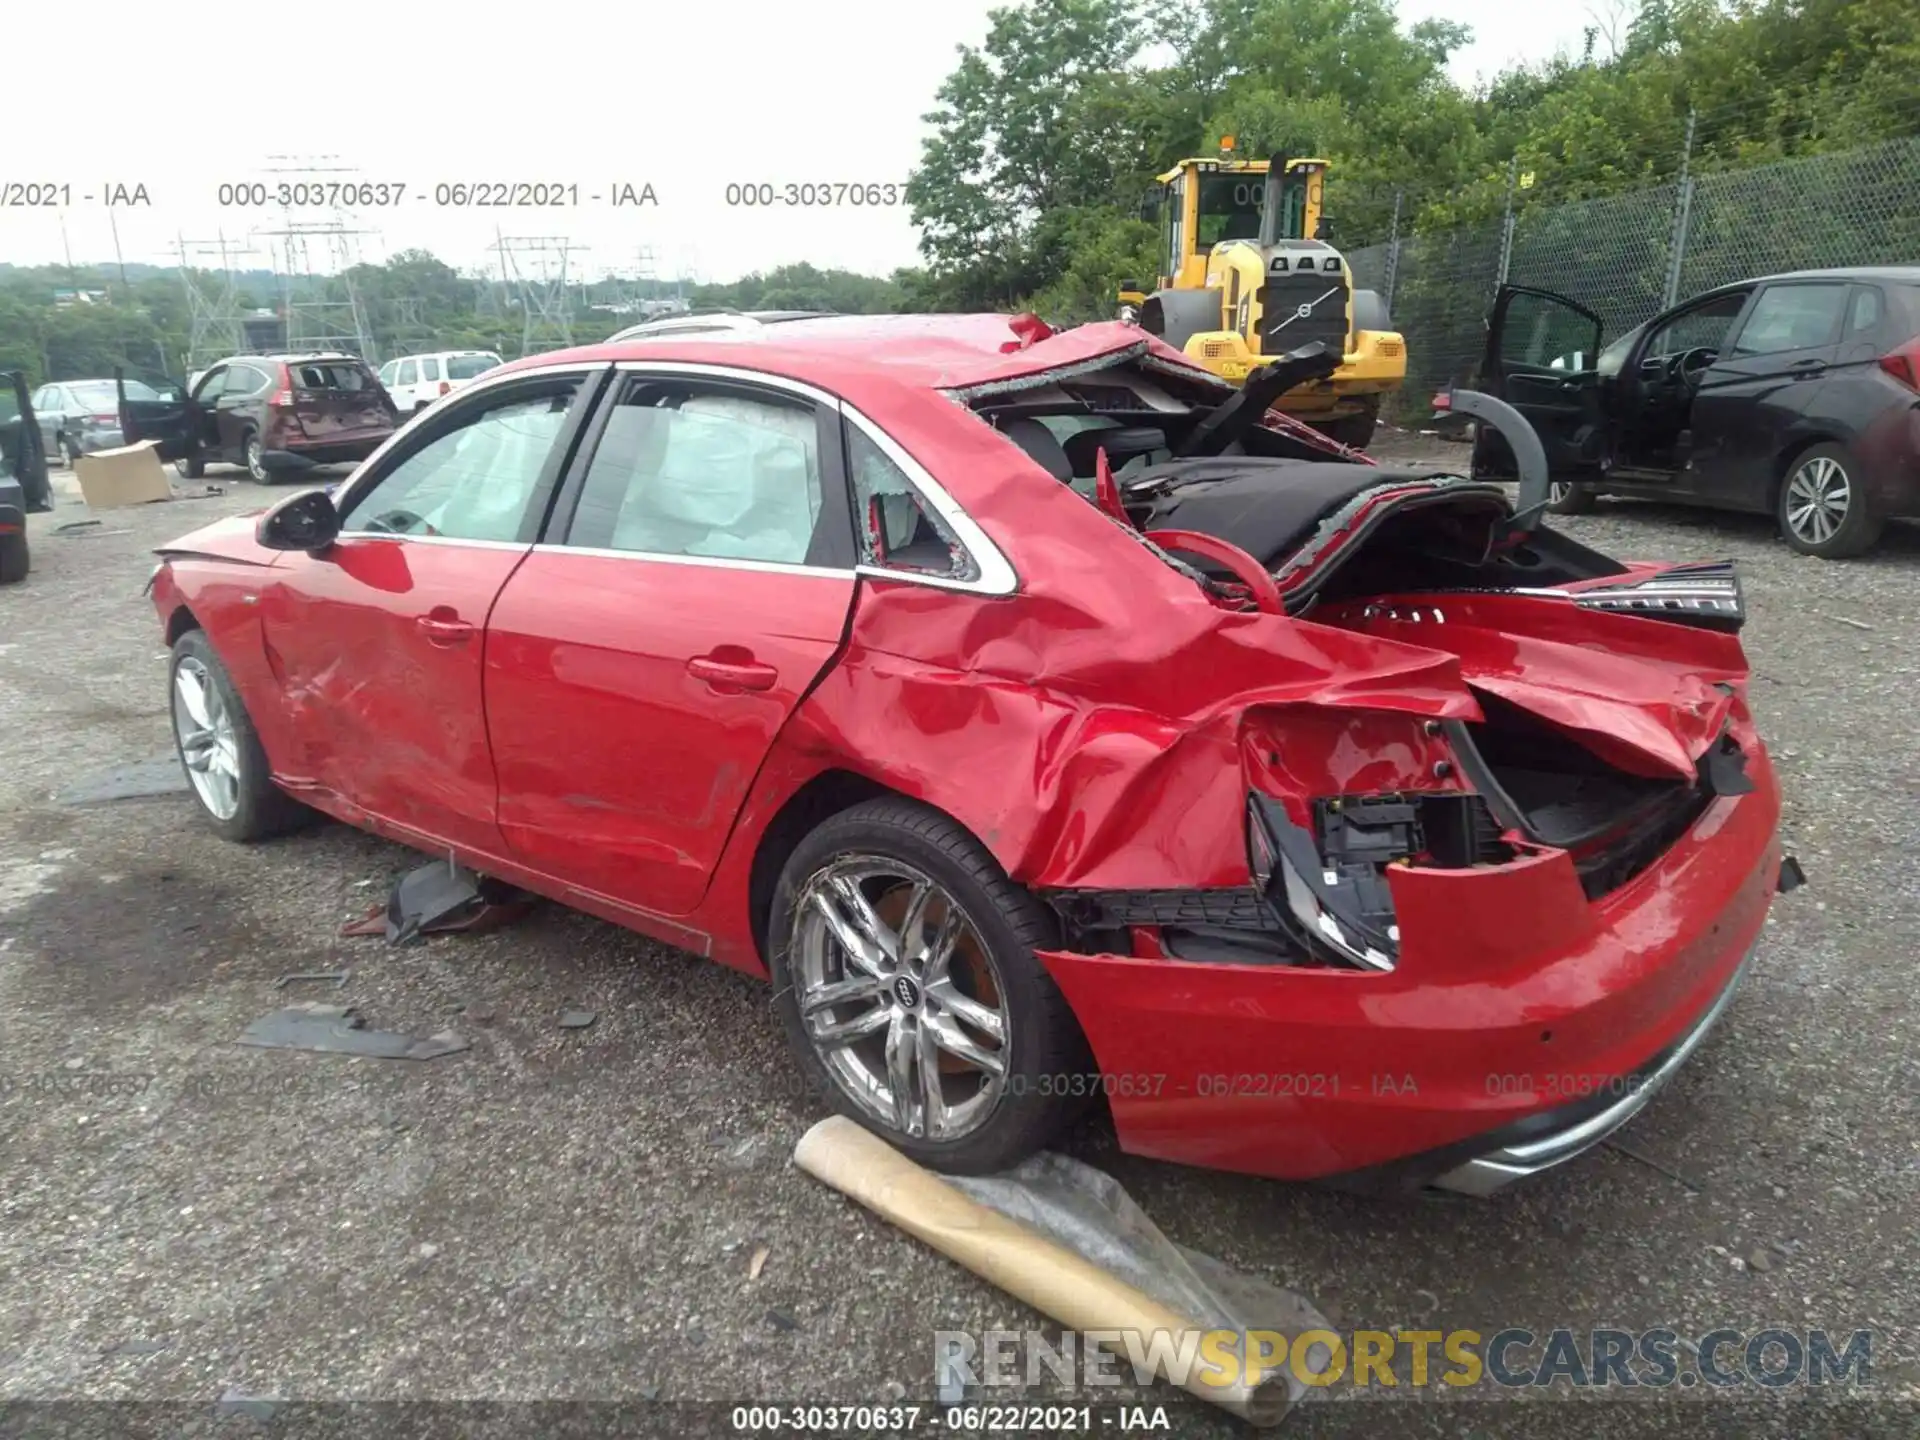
(697, 579)
(378, 641)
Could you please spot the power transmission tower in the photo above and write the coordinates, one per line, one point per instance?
(533, 274)
(209, 272)
(321, 304)
(407, 328)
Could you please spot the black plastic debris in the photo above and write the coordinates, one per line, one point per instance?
(134, 780)
(338, 977)
(439, 897)
(1792, 877)
(248, 1404)
(338, 1030)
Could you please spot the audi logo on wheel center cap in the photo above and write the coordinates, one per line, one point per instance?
(906, 992)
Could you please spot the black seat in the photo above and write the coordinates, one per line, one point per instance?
(1038, 441)
(1121, 442)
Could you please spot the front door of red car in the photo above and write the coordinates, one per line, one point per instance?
(378, 641)
(639, 670)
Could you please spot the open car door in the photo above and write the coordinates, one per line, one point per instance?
(23, 475)
(23, 449)
(153, 407)
(1540, 357)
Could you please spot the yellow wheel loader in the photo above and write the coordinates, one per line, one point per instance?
(1250, 276)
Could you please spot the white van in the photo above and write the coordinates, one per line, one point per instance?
(416, 381)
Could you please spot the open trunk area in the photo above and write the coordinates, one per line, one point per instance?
(1556, 792)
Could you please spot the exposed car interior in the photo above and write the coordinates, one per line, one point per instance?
(1190, 462)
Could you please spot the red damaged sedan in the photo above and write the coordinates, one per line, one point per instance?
(1044, 719)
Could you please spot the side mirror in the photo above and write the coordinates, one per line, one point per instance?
(305, 522)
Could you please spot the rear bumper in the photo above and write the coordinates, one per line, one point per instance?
(1555, 1137)
(304, 454)
(93, 441)
(1522, 1024)
(1889, 450)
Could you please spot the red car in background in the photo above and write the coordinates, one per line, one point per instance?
(1045, 719)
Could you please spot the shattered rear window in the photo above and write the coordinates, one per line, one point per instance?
(330, 375)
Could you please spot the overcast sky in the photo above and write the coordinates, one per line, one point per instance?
(595, 94)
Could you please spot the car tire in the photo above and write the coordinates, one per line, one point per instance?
(884, 849)
(191, 466)
(1569, 497)
(1822, 508)
(16, 557)
(251, 452)
(1353, 431)
(228, 774)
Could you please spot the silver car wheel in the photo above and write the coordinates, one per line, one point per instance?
(208, 747)
(900, 997)
(1818, 497)
(1558, 491)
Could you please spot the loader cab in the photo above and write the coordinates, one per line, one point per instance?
(1199, 204)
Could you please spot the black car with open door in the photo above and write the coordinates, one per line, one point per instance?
(24, 486)
(1792, 395)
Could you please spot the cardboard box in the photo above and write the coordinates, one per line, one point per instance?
(129, 475)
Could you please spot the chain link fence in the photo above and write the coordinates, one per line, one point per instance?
(1628, 256)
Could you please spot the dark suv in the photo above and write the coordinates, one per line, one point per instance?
(1795, 395)
(270, 413)
(23, 475)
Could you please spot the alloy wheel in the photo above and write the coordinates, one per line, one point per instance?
(1818, 497)
(208, 746)
(1558, 491)
(899, 997)
(254, 466)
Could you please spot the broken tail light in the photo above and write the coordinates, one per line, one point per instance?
(283, 392)
(1330, 876)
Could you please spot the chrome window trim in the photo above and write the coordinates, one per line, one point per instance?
(349, 492)
(715, 562)
(996, 576)
(433, 540)
(702, 370)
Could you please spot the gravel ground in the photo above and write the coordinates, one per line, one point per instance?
(562, 1214)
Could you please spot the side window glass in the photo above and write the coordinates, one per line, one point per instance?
(685, 471)
(1792, 317)
(430, 369)
(243, 380)
(1545, 335)
(899, 530)
(1863, 315)
(388, 371)
(1702, 328)
(473, 482)
(406, 373)
(211, 384)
